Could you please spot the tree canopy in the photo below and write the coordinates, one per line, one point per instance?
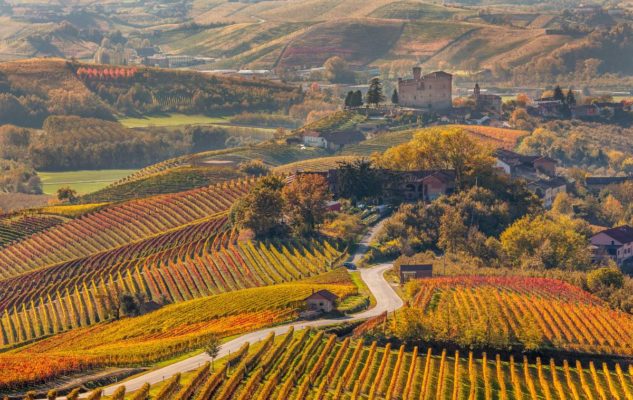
(440, 148)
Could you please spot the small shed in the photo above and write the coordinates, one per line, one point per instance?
(323, 300)
(415, 271)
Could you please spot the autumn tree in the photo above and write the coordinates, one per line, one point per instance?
(337, 70)
(452, 231)
(440, 148)
(212, 348)
(261, 209)
(547, 241)
(67, 194)
(305, 200)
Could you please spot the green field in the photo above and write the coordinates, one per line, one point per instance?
(81, 181)
(172, 120)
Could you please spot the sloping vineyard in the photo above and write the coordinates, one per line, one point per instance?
(536, 312)
(176, 179)
(14, 227)
(61, 299)
(171, 330)
(308, 365)
(117, 225)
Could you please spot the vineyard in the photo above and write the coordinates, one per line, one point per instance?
(314, 165)
(116, 226)
(171, 330)
(309, 365)
(176, 179)
(496, 137)
(198, 260)
(14, 227)
(379, 144)
(508, 311)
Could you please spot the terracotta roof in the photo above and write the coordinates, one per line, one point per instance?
(623, 234)
(324, 294)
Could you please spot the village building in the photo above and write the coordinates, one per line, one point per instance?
(426, 185)
(597, 183)
(415, 271)
(332, 141)
(519, 165)
(487, 102)
(548, 189)
(433, 92)
(538, 171)
(615, 243)
(321, 301)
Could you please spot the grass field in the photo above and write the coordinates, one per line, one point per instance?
(172, 120)
(83, 182)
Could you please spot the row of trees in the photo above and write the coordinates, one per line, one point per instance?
(273, 206)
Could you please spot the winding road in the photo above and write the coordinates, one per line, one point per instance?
(386, 300)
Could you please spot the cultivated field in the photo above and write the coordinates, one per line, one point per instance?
(532, 312)
(309, 365)
(495, 137)
(172, 330)
(83, 182)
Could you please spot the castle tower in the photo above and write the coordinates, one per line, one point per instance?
(417, 73)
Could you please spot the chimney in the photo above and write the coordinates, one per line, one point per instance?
(417, 73)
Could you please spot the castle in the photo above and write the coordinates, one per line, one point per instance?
(433, 91)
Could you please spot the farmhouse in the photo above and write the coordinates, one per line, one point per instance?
(548, 189)
(425, 185)
(323, 301)
(415, 271)
(519, 165)
(615, 243)
(332, 141)
(433, 91)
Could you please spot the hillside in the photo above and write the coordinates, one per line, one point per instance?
(312, 365)
(89, 90)
(175, 329)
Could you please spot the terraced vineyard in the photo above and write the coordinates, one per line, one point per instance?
(162, 334)
(534, 312)
(309, 365)
(116, 226)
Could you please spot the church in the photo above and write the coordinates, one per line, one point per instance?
(433, 91)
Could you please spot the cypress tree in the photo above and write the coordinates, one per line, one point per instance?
(571, 98)
(357, 100)
(349, 99)
(394, 97)
(374, 93)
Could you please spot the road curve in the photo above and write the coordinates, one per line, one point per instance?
(386, 300)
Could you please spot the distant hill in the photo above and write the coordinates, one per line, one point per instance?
(31, 90)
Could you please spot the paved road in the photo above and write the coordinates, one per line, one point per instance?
(386, 300)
